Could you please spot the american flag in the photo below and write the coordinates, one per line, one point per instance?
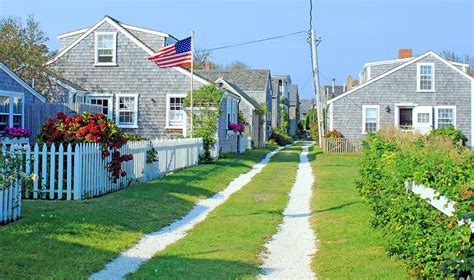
(178, 54)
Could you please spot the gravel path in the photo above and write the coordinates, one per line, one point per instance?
(130, 260)
(290, 250)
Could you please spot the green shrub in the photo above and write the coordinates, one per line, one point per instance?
(134, 137)
(280, 137)
(271, 142)
(333, 134)
(314, 131)
(432, 244)
(456, 135)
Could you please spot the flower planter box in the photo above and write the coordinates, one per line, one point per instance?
(232, 132)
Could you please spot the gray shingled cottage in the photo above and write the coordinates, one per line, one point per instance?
(14, 94)
(106, 64)
(410, 93)
(294, 108)
(250, 109)
(256, 84)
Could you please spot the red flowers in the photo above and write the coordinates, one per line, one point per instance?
(88, 128)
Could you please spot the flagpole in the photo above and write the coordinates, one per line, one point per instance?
(192, 78)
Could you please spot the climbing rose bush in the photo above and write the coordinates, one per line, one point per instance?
(16, 132)
(236, 127)
(333, 134)
(88, 128)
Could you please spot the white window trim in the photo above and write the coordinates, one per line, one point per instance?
(114, 52)
(444, 107)
(168, 96)
(117, 111)
(10, 95)
(108, 96)
(364, 107)
(418, 72)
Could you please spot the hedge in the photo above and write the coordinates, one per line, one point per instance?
(431, 244)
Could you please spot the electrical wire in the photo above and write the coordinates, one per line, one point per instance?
(255, 41)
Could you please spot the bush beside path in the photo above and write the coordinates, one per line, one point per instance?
(348, 247)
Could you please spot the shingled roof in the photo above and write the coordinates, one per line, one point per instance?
(246, 79)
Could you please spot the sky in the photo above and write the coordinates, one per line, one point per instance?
(353, 32)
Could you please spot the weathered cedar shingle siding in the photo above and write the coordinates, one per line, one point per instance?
(134, 74)
(451, 88)
(9, 84)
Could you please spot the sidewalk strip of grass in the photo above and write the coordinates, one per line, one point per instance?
(228, 243)
(73, 239)
(348, 247)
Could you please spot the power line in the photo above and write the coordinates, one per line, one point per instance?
(255, 41)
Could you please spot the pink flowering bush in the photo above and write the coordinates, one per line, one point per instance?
(236, 127)
(16, 132)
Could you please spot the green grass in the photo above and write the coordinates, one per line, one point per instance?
(227, 244)
(73, 239)
(349, 248)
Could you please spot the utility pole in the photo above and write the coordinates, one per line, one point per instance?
(319, 100)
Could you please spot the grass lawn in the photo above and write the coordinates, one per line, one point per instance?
(349, 248)
(227, 244)
(73, 239)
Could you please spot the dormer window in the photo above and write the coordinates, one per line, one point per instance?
(105, 48)
(425, 77)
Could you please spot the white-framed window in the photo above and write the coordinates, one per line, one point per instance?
(425, 77)
(232, 110)
(11, 110)
(175, 115)
(126, 112)
(106, 48)
(423, 118)
(445, 116)
(102, 100)
(370, 118)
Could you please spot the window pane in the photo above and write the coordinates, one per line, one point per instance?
(423, 118)
(371, 118)
(127, 110)
(105, 41)
(16, 121)
(127, 103)
(4, 104)
(176, 113)
(426, 75)
(445, 118)
(17, 105)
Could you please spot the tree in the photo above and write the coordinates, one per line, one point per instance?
(236, 64)
(467, 59)
(23, 50)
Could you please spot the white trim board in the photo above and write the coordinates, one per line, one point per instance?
(22, 83)
(401, 67)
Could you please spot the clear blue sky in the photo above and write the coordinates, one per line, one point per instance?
(353, 31)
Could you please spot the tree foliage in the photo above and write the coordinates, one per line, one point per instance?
(237, 64)
(23, 50)
(206, 100)
(467, 59)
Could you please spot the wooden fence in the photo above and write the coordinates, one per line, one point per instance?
(10, 193)
(76, 172)
(37, 114)
(341, 145)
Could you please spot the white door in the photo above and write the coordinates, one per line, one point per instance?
(423, 119)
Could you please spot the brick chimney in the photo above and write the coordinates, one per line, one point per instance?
(207, 66)
(405, 53)
(356, 83)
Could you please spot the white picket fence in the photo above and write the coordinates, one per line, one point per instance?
(245, 143)
(10, 195)
(76, 172)
(436, 200)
